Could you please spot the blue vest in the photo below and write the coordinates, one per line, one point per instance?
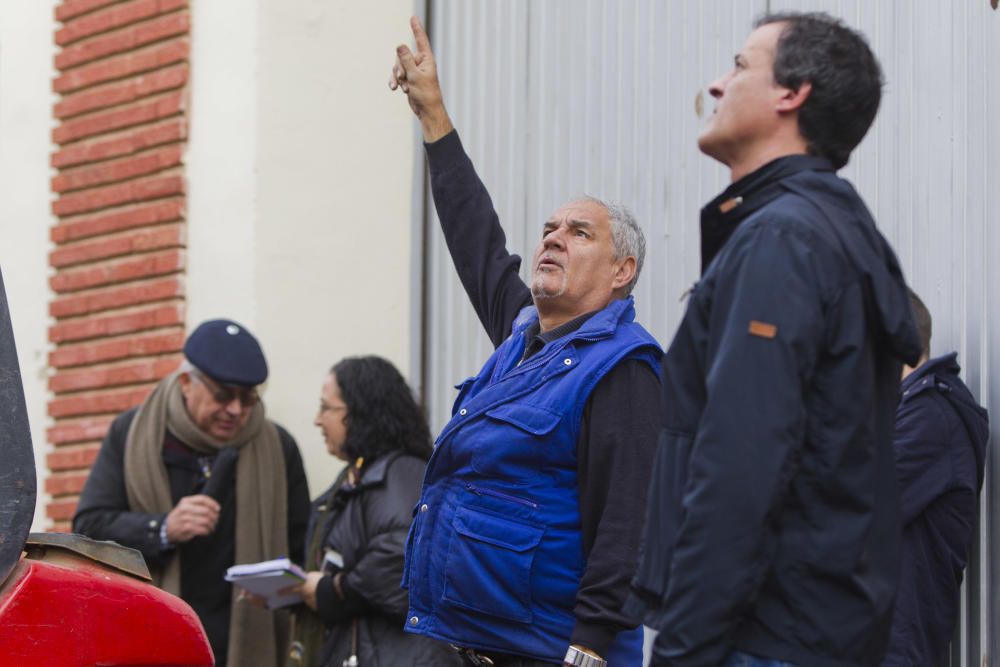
(494, 556)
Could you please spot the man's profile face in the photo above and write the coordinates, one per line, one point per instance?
(745, 100)
(574, 264)
(219, 418)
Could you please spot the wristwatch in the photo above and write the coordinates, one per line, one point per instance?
(578, 658)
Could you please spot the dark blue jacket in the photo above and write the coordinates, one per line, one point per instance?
(494, 556)
(941, 435)
(773, 525)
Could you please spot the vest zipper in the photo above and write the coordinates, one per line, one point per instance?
(503, 496)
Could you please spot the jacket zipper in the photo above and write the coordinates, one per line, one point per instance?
(503, 496)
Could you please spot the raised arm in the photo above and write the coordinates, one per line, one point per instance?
(470, 224)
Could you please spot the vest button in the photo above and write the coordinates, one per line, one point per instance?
(414, 620)
(568, 362)
(423, 508)
(462, 412)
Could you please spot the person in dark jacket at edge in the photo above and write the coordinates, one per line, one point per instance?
(772, 536)
(197, 479)
(529, 521)
(353, 607)
(941, 436)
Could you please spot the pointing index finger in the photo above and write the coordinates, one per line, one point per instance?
(420, 37)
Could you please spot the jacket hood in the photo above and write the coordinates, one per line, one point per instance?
(871, 255)
(942, 373)
(814, 179)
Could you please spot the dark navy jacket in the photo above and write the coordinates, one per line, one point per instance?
(495, 554)
(941, 435)
(773, 525)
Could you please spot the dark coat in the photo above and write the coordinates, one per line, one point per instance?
(103, 514)
(941, 436)
(367, 525)
(773, 526)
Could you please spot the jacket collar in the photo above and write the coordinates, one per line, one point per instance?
(943, 366)
(721, 216)
(598, 325)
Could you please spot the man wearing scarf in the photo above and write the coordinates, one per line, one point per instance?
(197, 479)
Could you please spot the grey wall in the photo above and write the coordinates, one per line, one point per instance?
(563, 97)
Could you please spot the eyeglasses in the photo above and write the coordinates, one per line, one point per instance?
(224, 394)
(324, 407)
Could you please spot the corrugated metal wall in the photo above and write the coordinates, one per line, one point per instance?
(558, 98)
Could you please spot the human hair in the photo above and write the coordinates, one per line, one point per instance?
(922, 316)
(845, 75)
(626, 235)
(382, 414)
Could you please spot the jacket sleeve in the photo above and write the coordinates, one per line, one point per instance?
(103, 513)
(621, 424)
(475, 238)
(923, 457)
(373, 582)
(298, 497)
(766, 328)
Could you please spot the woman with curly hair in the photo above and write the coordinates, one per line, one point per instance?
(354, 608)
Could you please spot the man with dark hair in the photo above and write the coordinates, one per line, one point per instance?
(772, 535)
(197, 479)
(531, 512)
(941, 436)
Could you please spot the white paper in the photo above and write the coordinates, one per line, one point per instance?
(267, 578)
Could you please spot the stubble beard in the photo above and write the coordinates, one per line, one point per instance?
(538, 290)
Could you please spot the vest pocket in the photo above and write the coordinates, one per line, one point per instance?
(488, 568)
(536, 421)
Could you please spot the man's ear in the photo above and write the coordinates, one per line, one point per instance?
(624, 272)
(792, 99)
(185, 381)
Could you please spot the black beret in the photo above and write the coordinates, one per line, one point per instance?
(226, 352)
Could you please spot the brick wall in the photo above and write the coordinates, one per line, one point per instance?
(118, 261)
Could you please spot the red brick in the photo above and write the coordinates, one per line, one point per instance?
(130, 218)
(122, 92)
(60, 527)
(60, 510)
(154, 264)
(131, 141)
(151, 370)
(120, 170)
(117, 297)
(66, 484)
(97, 403)
(114, 325)
(70, 8)
(124, 39)
(118, 67)
(67, 432)
(145, 240)
(114, 17)
(73, 457)
(121, 348)
(118, 194)
(118, 118)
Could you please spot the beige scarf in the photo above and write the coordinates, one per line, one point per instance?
(261, 505)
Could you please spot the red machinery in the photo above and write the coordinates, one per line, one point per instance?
(65, 600)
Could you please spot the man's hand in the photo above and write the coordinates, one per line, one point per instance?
(192, 517)
(307, 589)
(416, 75)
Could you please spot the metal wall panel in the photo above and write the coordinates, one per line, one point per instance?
(558, 98)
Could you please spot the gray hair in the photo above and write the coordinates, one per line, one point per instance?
(626, 234)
